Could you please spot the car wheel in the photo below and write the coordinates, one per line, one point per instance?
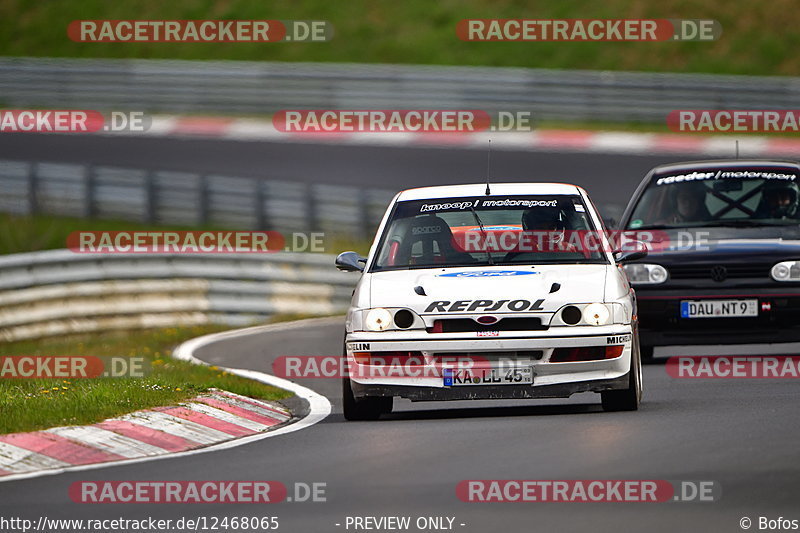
(368, 408)
(627, 399)
(647, 354)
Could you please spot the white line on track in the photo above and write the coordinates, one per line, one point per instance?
(225, 416)
(319, 406)
(107, 441)
(180, 427)
(25, 460)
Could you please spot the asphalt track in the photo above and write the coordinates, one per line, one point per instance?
(742, 434)
(610, 178)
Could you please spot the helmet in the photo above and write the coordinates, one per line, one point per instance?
(545, 219)
(542, 218)
(780, 198)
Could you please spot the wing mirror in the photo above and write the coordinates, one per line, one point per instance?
(631, 251)
(350, 262)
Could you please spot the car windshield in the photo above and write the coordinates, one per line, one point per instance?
(485, 230)
(737, 197)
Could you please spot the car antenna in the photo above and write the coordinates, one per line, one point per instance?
(488, 166)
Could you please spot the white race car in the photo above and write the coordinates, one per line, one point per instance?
(487, 292)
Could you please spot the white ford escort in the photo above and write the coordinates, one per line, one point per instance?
(507, 291)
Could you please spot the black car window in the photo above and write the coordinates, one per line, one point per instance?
(714, 197)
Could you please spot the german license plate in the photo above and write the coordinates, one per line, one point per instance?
(718, 308)
(462, 377)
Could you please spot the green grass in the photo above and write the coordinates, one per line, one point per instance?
(757, 38)
(32, 404)
(31, 233)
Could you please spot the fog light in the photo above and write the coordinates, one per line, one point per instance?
(403, 319)
(571, 315)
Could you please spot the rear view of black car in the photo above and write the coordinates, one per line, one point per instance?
(724, 265)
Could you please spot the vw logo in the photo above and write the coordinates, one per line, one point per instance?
(719, 273)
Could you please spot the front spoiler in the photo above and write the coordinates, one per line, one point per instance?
(490, 392)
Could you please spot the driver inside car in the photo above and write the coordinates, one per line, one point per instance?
(549, 232)
(689, 204)
(778, 201)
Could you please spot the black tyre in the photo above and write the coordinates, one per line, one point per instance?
(627, 399)
(647, 354)
(369, 408)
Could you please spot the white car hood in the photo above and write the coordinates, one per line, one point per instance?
(578, 284)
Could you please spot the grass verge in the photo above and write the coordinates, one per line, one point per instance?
(757, 38)
(31, 233)
(33, 404)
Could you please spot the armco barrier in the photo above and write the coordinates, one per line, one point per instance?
(60, 292)
(265, 87)
(185, 198)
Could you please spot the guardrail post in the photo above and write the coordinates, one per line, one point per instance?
(365, 223)
(311, 208)
(261, 212)
(203, 201)
(33, 183)
(89, 182)
(151, 197)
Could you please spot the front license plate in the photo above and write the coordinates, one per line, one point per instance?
(718, 308)
(462, 377)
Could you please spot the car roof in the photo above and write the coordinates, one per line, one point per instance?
(479, 189)
(724, 163)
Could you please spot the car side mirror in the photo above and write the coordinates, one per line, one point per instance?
(631, 251)
(350, 262)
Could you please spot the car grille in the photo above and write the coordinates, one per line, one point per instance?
(467, 325)
(732, 271)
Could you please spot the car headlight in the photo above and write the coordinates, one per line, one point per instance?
(645, 273)
(786, 271)
(378, 319)
(596, 314)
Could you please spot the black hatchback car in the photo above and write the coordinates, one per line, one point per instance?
(724, 261)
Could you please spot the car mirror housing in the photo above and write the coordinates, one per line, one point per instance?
(631, 252)
(350, 262)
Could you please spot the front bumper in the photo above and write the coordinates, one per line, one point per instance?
(533, 349)
(489, 392)
(660, 323)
